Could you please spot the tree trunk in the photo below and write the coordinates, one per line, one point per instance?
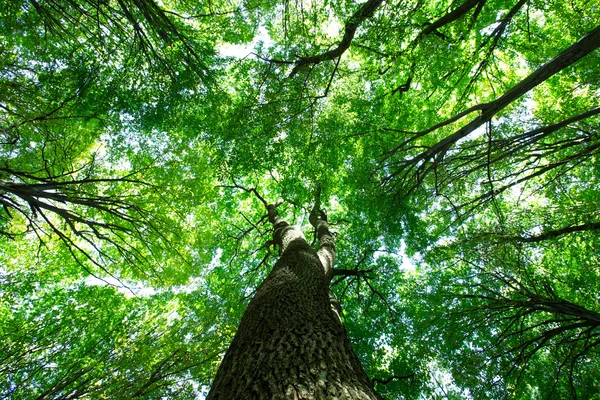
(290, 343)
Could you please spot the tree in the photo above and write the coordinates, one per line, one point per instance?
(92, 341)
(509, 318)
(291, 342)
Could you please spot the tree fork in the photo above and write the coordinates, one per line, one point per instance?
(290, 343)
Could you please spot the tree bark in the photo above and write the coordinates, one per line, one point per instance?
(290, 343)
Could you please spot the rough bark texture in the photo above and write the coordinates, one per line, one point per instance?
(290, 343)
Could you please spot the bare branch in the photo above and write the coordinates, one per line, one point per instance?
(451, 16)
(364, 12)
(389, 379)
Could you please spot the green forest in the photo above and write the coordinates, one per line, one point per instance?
(441, 158)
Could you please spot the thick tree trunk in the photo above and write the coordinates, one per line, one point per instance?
(290, 343)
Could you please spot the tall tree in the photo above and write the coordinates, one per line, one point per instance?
(291, 342)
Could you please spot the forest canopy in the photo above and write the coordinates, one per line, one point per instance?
(455, 146)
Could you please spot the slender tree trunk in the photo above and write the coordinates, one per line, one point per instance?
(290, 343)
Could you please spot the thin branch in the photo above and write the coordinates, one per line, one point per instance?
(590, 226)
(389, 379)
(365, 11)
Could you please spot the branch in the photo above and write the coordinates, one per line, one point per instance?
(252, 190)
(351, 272)
(505, 148)
(364, 12)
(451, 16)
(428, 160)
(314, 217)
(385, 381)
(591, 226)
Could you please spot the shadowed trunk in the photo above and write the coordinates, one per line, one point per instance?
(290, 343)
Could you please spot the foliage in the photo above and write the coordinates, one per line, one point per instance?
(456, 144)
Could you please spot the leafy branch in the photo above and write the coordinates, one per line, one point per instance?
(418, 167)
